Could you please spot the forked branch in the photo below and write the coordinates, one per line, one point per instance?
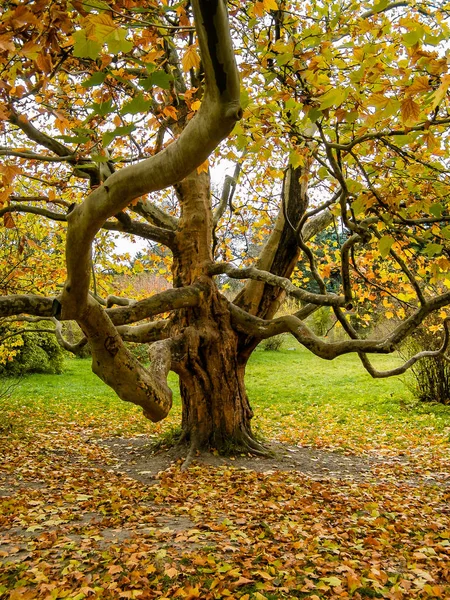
(219, 111)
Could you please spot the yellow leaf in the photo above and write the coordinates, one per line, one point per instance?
(190, 60)
(431, 141)
(378, 100)
(420, 84)
(170, 111)
(196, 105)
(99, 26)
(203, 168)
(171, 572)
(113, 569)
(441, 92)
(270, 5)
(258, 9)
(8, 221)
(8, 173)
(410, 111)
(6, 42)
(31, 50)
(44, 63)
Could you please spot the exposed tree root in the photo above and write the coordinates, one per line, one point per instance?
(241, 444)
(254, 447)
(194, 446)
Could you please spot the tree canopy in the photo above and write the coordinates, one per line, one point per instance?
(113, 114)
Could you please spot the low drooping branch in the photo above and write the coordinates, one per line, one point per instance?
(263, 329)
(412, 361)
(281, 282)
(118, 368)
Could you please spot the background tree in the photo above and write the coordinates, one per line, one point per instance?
(106, 104)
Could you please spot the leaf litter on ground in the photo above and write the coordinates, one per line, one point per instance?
(81, 518)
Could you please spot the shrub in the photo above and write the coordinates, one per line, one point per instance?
(429, 378)
(273, 344)
(40, 353)
(321, 321)
(139, 351)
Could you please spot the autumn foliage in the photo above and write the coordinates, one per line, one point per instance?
(113, 114)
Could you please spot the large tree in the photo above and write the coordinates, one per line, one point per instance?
(107, 104)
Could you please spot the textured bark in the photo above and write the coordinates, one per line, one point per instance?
(279, 256)
(280, 253)
(216, 411)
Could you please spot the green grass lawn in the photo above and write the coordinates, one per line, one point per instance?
(296, 397)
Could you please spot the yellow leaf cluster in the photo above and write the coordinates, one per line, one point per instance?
(191, 59)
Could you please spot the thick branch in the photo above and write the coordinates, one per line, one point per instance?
(282, 282)
(215, 119)
(172, 299)
(31, 305)
(146, 333)
(263, 329)
(412, 361)
(155, 215)
(143, 230)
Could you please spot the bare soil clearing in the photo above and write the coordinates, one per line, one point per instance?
(138, 458)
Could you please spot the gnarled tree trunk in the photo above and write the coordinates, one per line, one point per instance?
(211, 365)
(216, 411)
